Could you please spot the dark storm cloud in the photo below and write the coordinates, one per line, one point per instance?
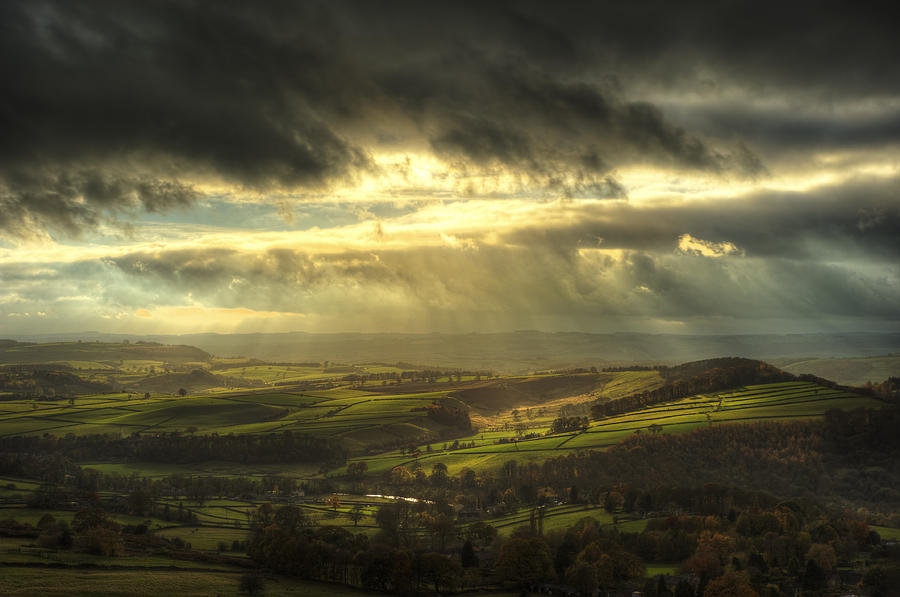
(784, 129)
(161, 89)
(294, 94)
(69, 200)
(825, 50)
(528, 120)
(857, 220)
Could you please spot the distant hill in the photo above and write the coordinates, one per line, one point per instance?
(36, 381)
(521, 351)
(195, 381)
(847, 371)
(110, 353)
(704, 367)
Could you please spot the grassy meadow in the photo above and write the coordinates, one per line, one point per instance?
(337, 412)
(774, 401)
(512, 420)
(369, 420)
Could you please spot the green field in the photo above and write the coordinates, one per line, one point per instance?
(362, 418)
(277, 373)
(372, 423)
(232, 518)
(205, 538)
(554, 517)
(106, 354)
(886, 533)
(775, 401)
(296, 373)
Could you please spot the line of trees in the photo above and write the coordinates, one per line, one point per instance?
(565, 424)
(770, 548)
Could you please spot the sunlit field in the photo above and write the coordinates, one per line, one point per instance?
(778, 401)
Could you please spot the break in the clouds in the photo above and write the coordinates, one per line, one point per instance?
(452, 166)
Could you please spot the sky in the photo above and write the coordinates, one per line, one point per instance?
(661, 167)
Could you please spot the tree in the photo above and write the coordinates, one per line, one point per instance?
(138, 502)
(439, 476)
(182, 392)
(573, 494)
(102, 540)
(441, 527)
(356, 514)
(264, 513)
(730, 584)
(90, 518)
(400, 475)
(684, 589)
(385, 569)
(525, 561)
(814, 578)
(334, 502)
(290, 519)
(509, 469)
(392, 520)
(251, 583)
(46, 522)
(662, 588)
(481, 533)
(613, 501)
(613, 566)
(357, 470)
(441, 571)
(881, 580)
(823, 555)
(583, 576)
(467, 555)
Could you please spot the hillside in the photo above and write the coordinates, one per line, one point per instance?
(195, 381)
(25, 381)
(527, 440)
(843, 455)
(708, 375)
(846, 371)
(516, 352)
(498, 395)
(392, 421)
(102, 354)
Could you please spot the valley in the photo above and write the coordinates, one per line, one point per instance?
(198, 467)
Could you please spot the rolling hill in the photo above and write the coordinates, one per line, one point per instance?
(103, 353)
(847, 371)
